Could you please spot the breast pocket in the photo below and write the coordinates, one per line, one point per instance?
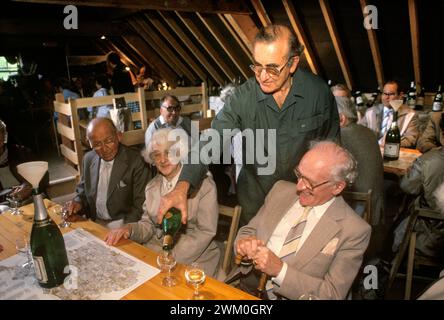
(309, 127)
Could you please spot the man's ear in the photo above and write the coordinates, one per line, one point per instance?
(294, 64)
(342, 120)
(119, 136)
(339, 187)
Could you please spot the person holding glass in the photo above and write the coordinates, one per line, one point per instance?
(196, 242)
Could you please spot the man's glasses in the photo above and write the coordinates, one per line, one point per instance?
(96, 145)
(307, 181)
(389, 94)
(272, 71)
(172, 108)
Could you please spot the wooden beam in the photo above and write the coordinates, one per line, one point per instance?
(174, 44)
(187, 42)
(122, 54)
(261, 12)
(143, 49)
(236, 37)
(85, 60)
(225, 45)
(209, 48)
(245, 27)
(302, 37)
(414, 33)
(208, 6)
(337, 44)
(158, 45)
(374, 47)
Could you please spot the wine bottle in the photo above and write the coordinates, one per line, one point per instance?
(47, 247)
(392, 140)
(420, 100)
(411, 95)
(437, 102)
(171, 223)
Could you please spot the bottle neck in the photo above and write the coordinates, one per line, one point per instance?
(40, 212)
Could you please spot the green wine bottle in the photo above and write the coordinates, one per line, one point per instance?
(392, 140)
(171, 223)
(47, 247)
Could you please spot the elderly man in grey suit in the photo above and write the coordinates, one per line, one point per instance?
(363, 145)
(305, 237)
(111, 189)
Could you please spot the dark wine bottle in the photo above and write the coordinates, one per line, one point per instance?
(437, 102)
(411, 95)
(47, 247)
(392, 140)
(420, 100)
(171, 223)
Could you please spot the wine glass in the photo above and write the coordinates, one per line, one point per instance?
(195, 275)
(166, 261)
(64, 215)
(308, 296)
(14, 201)
(23, 248)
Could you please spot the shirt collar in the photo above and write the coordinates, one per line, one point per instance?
(297, 86)
(162, 121)
(319, 211)
(167, 186)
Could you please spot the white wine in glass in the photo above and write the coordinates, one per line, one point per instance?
(195, 276)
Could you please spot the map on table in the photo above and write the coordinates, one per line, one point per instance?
(98, 272)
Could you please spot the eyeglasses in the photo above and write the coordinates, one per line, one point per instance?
(389, 94)
(96, 145)
(172, 108)
(272, 71)
(307, 181)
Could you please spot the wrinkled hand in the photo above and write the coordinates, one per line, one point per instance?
(247, 247)
(73, 209)
(267, 262)
(21, 192)
(113, 237)
(176, 198)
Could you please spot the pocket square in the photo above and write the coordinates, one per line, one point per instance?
(330, 247)
(122, 184)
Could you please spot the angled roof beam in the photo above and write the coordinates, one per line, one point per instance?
(261, 12)
(374, 47)
(245, 28)
(225, 45)
(235, 36)
(205, 6)
(187, 41)
(200, 37)
(414, 33)
(337, 44)
(302, 37)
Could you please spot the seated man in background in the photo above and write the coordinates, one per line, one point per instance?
(362, 144)
(379, 117)
(169, 117)
(12, 184)
(111, 189)
(305, 237)
(431, 138)
(196, 242)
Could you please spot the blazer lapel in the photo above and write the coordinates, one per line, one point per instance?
(94, 174)
(323, 232)
(119, 168)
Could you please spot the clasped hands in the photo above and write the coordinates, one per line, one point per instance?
(263, 258)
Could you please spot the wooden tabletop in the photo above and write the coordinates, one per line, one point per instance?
(14, 227)
(405, 161)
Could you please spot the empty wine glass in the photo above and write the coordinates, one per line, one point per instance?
(308, 296)
(23, 249)
(14, 201)
(166, 261)
(64, 215)
(195, 275)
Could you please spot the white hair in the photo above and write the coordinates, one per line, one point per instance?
(439, 196)
(347, 108)
(177, 141)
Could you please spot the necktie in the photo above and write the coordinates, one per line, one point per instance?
(294, 235)
(388, 114)
(102, 191)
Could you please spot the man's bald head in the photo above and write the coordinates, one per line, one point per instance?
(104, 138)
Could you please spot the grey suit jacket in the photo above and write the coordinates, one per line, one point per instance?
(362, 144)
(125, 191)
(196, 243)
(407, 123)
(310, 270)
(431, 137)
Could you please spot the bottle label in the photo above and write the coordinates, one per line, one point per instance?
(437, 106)
(411, 102)
(359, 100)
(420, 101)
(40, 270)
(391, 149)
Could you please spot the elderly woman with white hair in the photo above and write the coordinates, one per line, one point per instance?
(196, 242)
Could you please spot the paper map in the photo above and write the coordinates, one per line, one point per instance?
(98, 272)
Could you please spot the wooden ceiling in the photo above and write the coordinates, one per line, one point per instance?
(209, 40)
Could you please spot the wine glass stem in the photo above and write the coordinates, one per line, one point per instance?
(196, 290)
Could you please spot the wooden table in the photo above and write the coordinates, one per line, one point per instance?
(13, 227)
(405, 161)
